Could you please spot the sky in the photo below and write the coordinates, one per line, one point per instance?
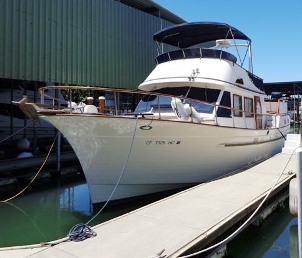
(274, 26)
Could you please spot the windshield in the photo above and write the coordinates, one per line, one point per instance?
(150, 102)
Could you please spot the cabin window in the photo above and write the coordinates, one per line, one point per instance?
(152, 101)
(248, 107)
(203, 94)
(225, 101)
(237, 105)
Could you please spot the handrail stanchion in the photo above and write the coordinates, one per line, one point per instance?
(233, 117)
(299, 181)
(42, 97)
(70, 101)
(158, 105)
(216, 113)
(244, 114)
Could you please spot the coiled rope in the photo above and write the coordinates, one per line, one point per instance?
(47, 156)
(82, 231)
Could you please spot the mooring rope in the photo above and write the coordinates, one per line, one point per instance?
(15, 133)
(82, 231)
(281, 133)
(35, 175)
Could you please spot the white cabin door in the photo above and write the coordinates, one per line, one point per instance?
(258, 112)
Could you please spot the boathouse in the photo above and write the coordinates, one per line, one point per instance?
(80, 42)
(104, 43)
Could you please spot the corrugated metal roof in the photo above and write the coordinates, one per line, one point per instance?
(289, 88)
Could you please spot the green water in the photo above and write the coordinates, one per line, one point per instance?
(276, 237)
(49, 214)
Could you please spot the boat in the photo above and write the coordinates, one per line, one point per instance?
(202, 115)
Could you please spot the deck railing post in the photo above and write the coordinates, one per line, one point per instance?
(158, 105)
(299, 181)
(233, 117)
(59, 153)
(216, 113)
(70, 101)
(42, 97)
(244, 114)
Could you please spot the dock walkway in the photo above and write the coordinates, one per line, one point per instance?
(197, 215)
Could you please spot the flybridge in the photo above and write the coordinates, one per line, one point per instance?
(189, 34)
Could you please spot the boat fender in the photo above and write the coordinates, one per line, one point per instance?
(25, 154)
(23, 144)
(179, 109)
(89, 100)
(90, 109)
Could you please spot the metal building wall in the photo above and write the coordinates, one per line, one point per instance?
(84, 42)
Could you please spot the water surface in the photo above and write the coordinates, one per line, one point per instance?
(47, 215)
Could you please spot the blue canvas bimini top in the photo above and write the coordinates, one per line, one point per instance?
(189, 34)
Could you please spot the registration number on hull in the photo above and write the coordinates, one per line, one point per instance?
(162, 142)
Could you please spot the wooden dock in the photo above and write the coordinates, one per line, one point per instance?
(180, 224)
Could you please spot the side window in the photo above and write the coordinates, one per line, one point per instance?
(225, 101)
(237, 105)
(248, 107)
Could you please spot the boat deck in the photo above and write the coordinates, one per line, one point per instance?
(198, 215)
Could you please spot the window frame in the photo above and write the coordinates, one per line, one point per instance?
(248, 107)
(237, 105)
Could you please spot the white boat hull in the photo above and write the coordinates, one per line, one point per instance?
(165, 154)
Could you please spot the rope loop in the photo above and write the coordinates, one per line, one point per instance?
(80, 232)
